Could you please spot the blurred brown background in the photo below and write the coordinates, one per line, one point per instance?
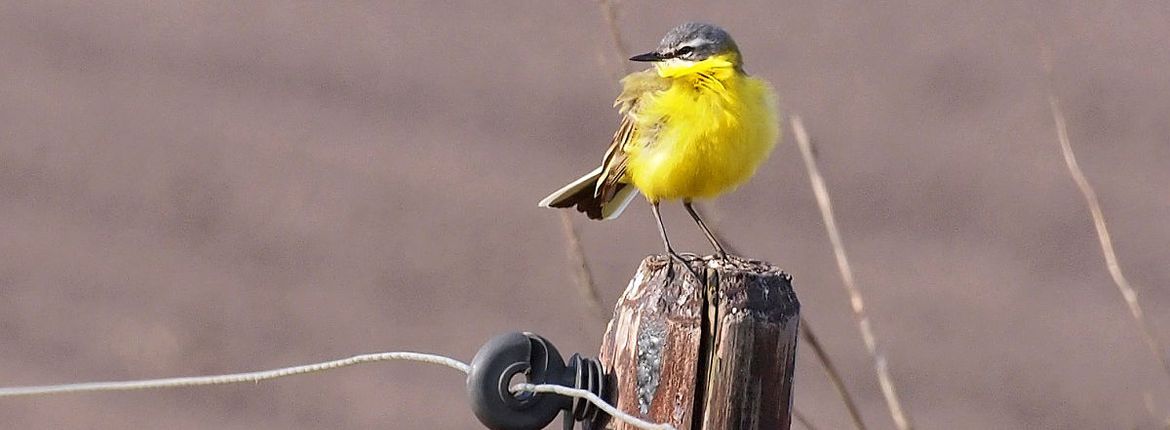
(206, 187)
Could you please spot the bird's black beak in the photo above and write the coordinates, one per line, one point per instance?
(649, 56)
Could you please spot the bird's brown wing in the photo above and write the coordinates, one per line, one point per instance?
(613, 167)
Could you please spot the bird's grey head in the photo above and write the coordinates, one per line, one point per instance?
(693, 41)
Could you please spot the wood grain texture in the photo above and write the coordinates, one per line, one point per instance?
(709, 353)
(755, 316)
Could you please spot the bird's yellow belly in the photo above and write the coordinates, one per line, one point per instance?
(704, 147)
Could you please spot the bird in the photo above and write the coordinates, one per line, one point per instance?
(693, 126)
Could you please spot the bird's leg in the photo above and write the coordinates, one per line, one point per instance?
(666, 242)
(710, 237)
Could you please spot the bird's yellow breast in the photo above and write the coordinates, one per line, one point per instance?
(703, 135)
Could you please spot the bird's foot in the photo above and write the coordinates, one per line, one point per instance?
(676, 257)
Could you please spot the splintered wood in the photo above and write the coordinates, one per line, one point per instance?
(711, 353)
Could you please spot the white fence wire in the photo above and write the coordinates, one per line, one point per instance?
(253, 377)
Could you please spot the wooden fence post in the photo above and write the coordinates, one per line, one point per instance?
(704, 354)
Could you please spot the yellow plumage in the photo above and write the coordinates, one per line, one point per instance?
(694, 126)
(705, 134)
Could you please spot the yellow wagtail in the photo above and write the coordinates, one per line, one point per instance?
(694, 126)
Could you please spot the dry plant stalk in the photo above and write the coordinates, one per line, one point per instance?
(1152, 409)
(615, 34)
(584, 276)
(810, 338)
(856, 302)
(803, 420)
(1123, 286)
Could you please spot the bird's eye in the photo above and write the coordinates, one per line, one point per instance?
(684, 51)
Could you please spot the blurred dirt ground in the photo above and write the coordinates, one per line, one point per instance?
(205, 187)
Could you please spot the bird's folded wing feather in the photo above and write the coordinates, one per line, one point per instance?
(634, 88)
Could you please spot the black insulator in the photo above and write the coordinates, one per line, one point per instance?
(505, 356)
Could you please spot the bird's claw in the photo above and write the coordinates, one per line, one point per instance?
(674, 256)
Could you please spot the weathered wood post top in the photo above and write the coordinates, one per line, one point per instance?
(711, 352)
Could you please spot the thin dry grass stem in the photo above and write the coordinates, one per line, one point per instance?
(1152, 409)
(803, 420)
(1123, 286)
(810, 338)
(609, 12)
(584, 276)
(822, 194)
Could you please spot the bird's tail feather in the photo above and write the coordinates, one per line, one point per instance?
(582, 194)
